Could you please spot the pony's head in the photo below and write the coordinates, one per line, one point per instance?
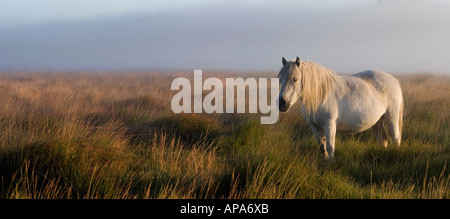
(307, 81)
(290, 77)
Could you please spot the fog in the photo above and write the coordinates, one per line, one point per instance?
(396, 36)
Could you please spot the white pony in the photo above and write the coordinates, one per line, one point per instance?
(353, 103)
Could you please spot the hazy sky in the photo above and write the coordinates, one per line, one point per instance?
(346, 35)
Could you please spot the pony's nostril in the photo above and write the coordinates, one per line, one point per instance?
(282, 105)
(282, 102)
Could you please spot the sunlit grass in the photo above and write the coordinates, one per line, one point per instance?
(113, 135)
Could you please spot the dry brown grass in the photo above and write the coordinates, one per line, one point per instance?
(113, 135)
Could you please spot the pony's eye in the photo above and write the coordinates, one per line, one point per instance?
(295, 79)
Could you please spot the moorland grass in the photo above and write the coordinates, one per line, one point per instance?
(113, 135)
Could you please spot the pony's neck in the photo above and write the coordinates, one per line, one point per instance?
(317, 83)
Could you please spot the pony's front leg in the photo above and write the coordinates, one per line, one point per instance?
(330, 133)
(319, 133)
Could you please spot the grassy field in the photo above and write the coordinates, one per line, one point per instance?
(113, 135)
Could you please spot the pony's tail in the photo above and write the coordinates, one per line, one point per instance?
(400, 118)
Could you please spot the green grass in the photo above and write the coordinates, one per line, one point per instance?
(102, 135)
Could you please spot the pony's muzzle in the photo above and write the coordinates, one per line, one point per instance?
(282, 105)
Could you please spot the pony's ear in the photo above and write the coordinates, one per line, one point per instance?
(297, 61)
(284, 61)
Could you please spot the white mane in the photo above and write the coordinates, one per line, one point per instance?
(317, 83)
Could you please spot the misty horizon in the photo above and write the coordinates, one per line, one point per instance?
(395, 36)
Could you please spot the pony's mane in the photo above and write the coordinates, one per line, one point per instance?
(317, 83)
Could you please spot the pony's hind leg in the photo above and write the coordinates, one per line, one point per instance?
(380, 132)
(393, 121)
